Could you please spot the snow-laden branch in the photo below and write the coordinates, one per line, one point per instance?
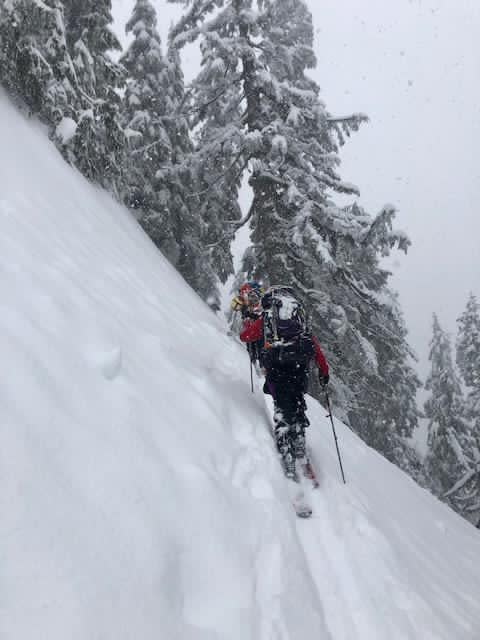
(462, 482)
(189, 91)
(382, 233)
(188, 23)
(235, 225)
(238, 224)
(225, 173)
(354, 117)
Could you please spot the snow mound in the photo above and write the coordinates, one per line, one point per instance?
(140, 493)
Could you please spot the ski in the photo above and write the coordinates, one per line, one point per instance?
(302, 509)
(298, 499)
(306, 481)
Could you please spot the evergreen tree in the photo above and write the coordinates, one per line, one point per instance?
(258, 108)
(90, 39)
(449, 443)
(161, 184)
(359, 321)
(217, 204)
(387, 414)
(143, 111)
(54, 58)
(24, 70)
(181, 184)
(465, 494)
(244, 114)
(253, 104)
(331, 255)
(218, 162)
(35, 66)
(468, 358)
(97, 146)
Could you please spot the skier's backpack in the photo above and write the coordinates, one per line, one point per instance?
(287, 339)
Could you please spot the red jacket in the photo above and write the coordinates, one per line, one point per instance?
(253, 330)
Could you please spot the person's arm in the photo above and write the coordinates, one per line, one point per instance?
(320, 358)
(252, 330)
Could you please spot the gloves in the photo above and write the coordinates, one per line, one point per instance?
(236, 304)
(323, 379)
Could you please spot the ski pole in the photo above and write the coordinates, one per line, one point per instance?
(251, 374)
(334, 435)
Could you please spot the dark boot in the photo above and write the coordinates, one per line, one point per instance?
(299, 443)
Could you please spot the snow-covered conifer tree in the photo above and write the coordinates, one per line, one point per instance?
(219, 208)
(258, 108)
(23, 69)
(359, 321)
(465, 494)
(143, 111)
(215, 110)
(91, 39)
(97, 145)
(35, 66)
(468, 361)
(449, 455)
(468, 358)
(55, 59)
(182, 185)
(386, 412)
(160, 183)
(331, 254)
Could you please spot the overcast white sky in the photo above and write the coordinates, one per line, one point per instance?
(414, 67)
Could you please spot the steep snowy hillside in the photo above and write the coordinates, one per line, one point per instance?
(140, 493)
(136, 492)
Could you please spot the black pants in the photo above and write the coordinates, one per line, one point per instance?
(290, 420)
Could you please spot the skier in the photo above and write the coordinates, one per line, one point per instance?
(288, 348)
(248, 303)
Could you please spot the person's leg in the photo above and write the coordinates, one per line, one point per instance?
(300, 423)
(299, 440)
(284, 420)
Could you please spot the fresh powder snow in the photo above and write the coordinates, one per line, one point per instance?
(141, 495)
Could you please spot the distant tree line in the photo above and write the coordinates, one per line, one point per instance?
(452, 463)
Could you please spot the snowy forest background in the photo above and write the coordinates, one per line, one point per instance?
(177, 155)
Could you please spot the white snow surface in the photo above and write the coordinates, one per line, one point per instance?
(140, 493)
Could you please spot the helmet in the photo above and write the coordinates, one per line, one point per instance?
(251, 292)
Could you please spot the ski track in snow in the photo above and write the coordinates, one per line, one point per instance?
(140, 490)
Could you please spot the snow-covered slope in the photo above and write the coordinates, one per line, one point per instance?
(136, 493)
(140, 493)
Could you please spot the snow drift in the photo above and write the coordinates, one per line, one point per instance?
(140, 493)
